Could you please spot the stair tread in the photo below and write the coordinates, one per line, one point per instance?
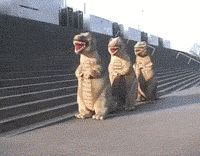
(171, 87)
(38, 84)
(37, 125)
(36, 77)
(189, 84)
(35, 113)
(177, 80)
(172, 74)
(36, 101)
(35, 92)
(175, 77)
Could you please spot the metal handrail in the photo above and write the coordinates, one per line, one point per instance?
(154, 49)
(190, 58)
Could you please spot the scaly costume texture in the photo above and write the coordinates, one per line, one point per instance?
(94, 95)
(121, 74)
(144, 69)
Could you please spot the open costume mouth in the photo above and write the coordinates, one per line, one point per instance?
(113, 50)
(79, 46)
(139, 51)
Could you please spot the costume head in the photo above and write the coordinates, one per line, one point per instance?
(84, 43)
(140, 48)
(116, 45)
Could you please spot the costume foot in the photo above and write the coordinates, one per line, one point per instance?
(141, 99)
(98, 117)
(81, 116)
(131, 108)
(138, 100)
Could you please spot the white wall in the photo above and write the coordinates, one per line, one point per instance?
(97, 24)
(132, 34)
(5, 6)
(42, 10)
(166, 44)
(121, 28)
(153, 40)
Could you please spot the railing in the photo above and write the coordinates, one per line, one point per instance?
(179, 53)
(154, 49)
(190, 58)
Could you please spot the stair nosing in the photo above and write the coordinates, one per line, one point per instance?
(38, 77)
(173, 77)
(36, 71)
(171, 71)
(37, 101)
(172, 74)
(164, 90)
(37, 84)
(188, 84)
(36, 92)
(33, 126)
(36, 112)
(164, 84)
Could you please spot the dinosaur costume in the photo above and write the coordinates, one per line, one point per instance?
(144, 69)
(121, 74)
(94, 90)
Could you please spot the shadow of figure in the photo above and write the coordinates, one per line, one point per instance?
(163, 103)
(119, 91)
(148, 89)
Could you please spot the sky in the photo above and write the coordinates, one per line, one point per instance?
(173, 20)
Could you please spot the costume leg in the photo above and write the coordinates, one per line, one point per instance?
(83, 111)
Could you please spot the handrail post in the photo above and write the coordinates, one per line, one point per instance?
(177, 55)
(154, 49)
(189, 61)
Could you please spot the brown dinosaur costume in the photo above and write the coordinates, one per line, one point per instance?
(121, 74)
(144, 69)
(94, 95)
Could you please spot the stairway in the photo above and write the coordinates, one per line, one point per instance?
(40, 96)
(170, 80)
(37, 82)
(46, 97)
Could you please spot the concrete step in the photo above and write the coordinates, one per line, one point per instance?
(36, 66)
(175, 81)
(193, 83)
(37, 125)
(35, 117)
(34, 80)
(34, 96)
(172, 78)
(197, 84)
(15, 90)
(33, 73)
(14, 110)
(169, 75)
(170, 71)
(177, 85)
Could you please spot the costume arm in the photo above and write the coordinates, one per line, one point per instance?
(78, 71)
(96, 71)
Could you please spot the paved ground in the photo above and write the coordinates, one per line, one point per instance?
(167, 127)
